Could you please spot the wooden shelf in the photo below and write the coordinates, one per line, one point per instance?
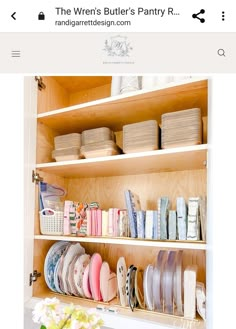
(176, 159)
(196, 245)
(158, 320)
(116, 111)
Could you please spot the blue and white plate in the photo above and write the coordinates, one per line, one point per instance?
(56, 279)
(51, 260)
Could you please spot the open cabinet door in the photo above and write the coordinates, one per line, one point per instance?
(30, 111)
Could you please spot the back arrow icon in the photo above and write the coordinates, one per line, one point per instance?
(13, 15)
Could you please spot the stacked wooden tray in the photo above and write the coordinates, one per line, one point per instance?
(67, 147)
(141, 136)
(98, 142)
(181, 128)
(97, 135)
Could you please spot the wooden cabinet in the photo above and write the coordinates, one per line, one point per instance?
(74, 104)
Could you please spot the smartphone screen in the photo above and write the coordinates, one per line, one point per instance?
(129, 107)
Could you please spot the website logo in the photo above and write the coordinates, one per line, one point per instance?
(118, 46)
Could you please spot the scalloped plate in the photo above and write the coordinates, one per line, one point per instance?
(52, 257)
(94, 276)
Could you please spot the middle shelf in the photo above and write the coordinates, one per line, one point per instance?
(176, 159)
(194, 245)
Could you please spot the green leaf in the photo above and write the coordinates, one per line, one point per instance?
(43, 327)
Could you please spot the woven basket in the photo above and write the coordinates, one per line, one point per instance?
(51, 224)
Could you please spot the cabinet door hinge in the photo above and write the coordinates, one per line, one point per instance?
(33, 277)
(41, 85)
(36, 178)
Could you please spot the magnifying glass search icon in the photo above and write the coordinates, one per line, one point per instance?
(221, 52)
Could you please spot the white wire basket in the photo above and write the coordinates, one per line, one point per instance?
(51, 222)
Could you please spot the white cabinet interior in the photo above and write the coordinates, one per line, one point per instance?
(74, 104)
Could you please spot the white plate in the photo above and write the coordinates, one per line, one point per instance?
(148, 287)
(73, 250)
(69, 277)
(108, 283)
(121, 271)
(60, 268)
(78, 273)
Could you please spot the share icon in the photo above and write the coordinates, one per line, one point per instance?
(202, 20)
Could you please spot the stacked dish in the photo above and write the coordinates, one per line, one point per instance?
(141, 136)
(158, 288)
(181, 128)
(163, 283)
(67, 147)
(98, 142)
(69, 270)
(102, 134)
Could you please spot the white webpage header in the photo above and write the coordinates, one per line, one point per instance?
(103, 53)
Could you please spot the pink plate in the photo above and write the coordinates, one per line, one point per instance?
(86, 285)
(94, 276)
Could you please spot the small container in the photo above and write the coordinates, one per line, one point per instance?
(72, 153)
(67, 141)
(140, 136)
(51, 222)
(129, 84)
(99, 149)
(55, 205)
(97, 135)
(181, 128)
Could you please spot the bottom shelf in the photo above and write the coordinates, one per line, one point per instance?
(142, 256)
(140, 318)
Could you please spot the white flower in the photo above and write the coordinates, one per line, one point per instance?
(74, 324)
(84, 325)
(49, 313)
(94, 319)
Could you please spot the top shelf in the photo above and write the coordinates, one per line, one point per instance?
(116, 111)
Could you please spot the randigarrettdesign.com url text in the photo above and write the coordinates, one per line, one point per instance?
(94, 22)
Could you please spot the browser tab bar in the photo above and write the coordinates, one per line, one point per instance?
(107, 17)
